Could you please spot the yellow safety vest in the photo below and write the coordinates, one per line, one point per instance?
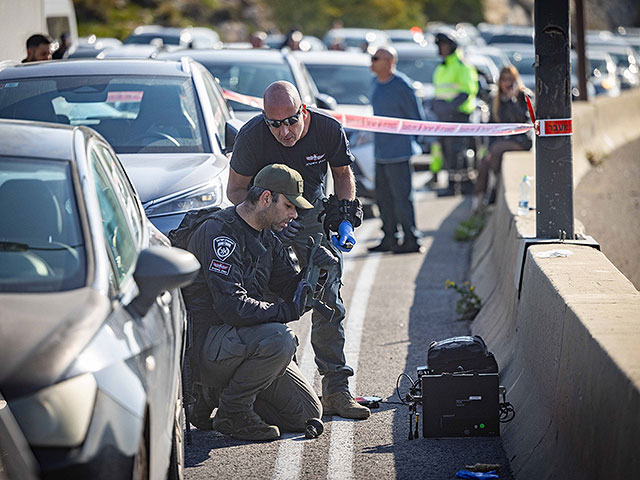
(453, 77)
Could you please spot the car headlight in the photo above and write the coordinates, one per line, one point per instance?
(206, 195)
(57, 416)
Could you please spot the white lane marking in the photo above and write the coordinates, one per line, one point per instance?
(341, 448)
(289, 460)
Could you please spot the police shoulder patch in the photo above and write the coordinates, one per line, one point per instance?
(223, 247)
(220, 267)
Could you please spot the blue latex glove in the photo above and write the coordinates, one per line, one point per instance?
(477, 475)
(345, 240)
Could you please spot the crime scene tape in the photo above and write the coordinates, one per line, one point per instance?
(401, 126)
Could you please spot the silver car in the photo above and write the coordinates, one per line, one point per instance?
(167, 121)
(91, 316)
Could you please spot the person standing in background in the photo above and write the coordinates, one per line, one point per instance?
(456, 87)
(38, 48)
(62, 48)
(393, 96)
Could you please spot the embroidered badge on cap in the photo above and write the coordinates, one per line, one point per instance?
(220, 267)
(223, 247)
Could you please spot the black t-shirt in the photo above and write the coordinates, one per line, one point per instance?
(256, 147)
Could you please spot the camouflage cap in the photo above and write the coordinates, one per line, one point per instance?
(282, 179)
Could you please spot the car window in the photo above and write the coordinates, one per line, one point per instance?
(134, 113)
(146, 38)
(41, 242)
(218, 105)
(117, 234)
(124, 191)
(249, 79)
(348, 84)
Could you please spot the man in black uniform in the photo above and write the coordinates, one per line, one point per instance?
(245, 347)
(307, 140)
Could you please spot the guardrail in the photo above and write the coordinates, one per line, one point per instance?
(565, 330)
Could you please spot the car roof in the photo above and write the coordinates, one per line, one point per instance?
(20, 138)
(232, 55)
(92, 67)
(408, 49)
(333, 57)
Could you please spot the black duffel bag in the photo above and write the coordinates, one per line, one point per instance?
(460, 354)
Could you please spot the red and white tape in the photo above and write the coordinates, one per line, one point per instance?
(400, 126)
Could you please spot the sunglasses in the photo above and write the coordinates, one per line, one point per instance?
(292, 120)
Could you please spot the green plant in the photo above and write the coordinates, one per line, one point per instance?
(469, 303)
(470, 228)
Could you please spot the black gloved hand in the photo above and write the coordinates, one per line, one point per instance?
(323, 258)
(288, 233)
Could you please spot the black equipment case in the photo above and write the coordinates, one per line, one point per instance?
(460, 389)
(460, 354)
(460, 405)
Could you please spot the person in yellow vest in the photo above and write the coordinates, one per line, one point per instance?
(456, 87)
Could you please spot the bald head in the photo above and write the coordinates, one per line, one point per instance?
(281, 94)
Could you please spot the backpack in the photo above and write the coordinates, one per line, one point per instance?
(180, 236)
(460, 354)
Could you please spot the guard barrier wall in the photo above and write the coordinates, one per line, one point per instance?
(567, 337)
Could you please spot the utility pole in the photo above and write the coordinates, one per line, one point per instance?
(554, 164)
(580, 50)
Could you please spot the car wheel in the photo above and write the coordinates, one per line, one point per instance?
(176, 463)
(141, 461)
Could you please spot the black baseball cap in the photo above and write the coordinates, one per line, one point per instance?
(285, 180)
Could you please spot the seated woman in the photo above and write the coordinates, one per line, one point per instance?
(507, 106)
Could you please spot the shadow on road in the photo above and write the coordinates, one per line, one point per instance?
(433, 317)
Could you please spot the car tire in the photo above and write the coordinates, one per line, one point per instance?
(176, 463)
(141, 461)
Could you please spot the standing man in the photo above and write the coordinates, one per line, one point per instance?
(244, 348)
(38, 48)
(309, 141)
(456, 87)
(393, 96)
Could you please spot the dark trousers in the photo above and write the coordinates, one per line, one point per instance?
(394, 195)
(453, 147)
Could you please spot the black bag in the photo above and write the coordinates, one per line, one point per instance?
(460, 354)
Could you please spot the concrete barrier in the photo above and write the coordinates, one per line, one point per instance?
(565, 330)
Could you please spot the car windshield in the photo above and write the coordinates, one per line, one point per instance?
(135, 114)
(147, 38)
(249, 78)
(41, 243)
(420, 69)
(348, 84)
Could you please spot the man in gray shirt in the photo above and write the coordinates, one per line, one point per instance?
(393, 96)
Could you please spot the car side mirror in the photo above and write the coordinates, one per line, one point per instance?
(159, 269)
(326, 101)
(231, 129)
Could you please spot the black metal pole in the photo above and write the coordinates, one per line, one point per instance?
(554, 166)
(580, 50)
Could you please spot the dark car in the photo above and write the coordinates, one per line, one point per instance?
(191, 37)
(167, 121)
(250, 72)
(92, 319)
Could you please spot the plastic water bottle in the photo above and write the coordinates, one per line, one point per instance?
(523, 197)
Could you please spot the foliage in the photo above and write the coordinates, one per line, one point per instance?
(470, 228)
(469, 303)
(315, 17)
(117, 18)
(454, 11)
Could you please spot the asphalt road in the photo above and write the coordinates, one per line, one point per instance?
(396, 305)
